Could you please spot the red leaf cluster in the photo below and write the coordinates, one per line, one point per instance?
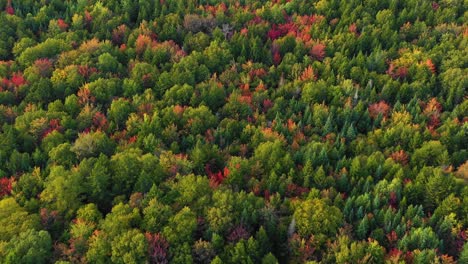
(462, 238)
(9, 10)
(267, 104)
(353, 29)
(118, 34)
(397, 73)
(5, 186)
(309, 20)
(216, 178)
(44, 66)
(394, 255)
(244, 32)
(393, 200)
(379, 108)
(294, 190)
(302, 248)
(409, 257)
(238, 233)
(54, 124)
(400, 157)
(257, 73)
(276, 58)
(86, 71)
(17, 79)
(318, 51)
(62, 24)
(209, 135)
(100, 121)
(179, 110)
(48, 218)
(132, 139)
(280, 30)
(158, 248)
(392, 237)
(88, 18)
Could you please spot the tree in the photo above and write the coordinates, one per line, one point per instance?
(63, 190)
(92, 144)
(121, 219)
(432, 153)
(217, 56)
(107, 63)
(157, 248)
(419, 238)
(14, 219)
(46, 49)
(104, 89)
(181, 227)
(30, 246)
(156, 216)
(119, 111)
(99, 182)
(126, 168)
(130, 248)
(315, 217)
(269, 259)
(273, 157)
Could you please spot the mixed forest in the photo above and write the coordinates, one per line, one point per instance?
(233, 131)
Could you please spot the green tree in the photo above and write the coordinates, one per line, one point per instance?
(63, 190)
(14, 219)
(155, 216)
(181, 227)
(130, 248)
(30, 246)
(315, 217)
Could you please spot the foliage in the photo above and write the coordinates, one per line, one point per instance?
(233, 131)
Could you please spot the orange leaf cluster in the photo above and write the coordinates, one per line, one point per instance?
(308, 74)
(379, 108)
(430, 65)
(318, 51)
(400, 157)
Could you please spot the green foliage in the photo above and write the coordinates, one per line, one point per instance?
(30, 246)
(315, 217)
(63, 190)
(130, 247)
(233, 131)
(14, 219)
(47, 49)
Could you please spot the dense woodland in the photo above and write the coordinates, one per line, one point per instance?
(235, 131)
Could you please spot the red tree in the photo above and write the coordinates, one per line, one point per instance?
(17, 79)
(62, 24)
(158, 248)
(318, 51)
(400, 157)
(9, 9)
(5, 186)
(99, 121)
(44, 66)
(379, 108)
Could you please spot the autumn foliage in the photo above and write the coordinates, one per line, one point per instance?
(380, 108)
(5, 186)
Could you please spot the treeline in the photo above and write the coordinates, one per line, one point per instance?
(175, 131)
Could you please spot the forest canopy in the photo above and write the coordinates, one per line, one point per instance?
(222, 131)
